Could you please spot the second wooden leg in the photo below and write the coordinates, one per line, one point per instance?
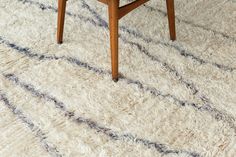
(60, 20)
(113, 7)
(171, 18)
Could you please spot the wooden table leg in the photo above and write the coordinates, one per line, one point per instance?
(60, 20)
(171, 18)
(113, 8)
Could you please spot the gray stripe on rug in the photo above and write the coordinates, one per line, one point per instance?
(114, 135)
(192, 24)
(215, 113)
(102, 23)
(167, 67)
(38, 133)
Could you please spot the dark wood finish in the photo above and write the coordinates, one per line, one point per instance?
(171, 18)
(115, 13)
(61, 20)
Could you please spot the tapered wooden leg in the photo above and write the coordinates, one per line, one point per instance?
(60, 20)
(171, 18)
(113, 6)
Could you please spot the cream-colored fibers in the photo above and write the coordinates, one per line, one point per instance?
(174, 99)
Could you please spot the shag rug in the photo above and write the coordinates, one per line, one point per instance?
(174, 99)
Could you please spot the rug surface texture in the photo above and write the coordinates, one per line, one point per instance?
(174, 99)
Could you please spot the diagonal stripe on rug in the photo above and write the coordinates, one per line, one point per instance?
(174, 99)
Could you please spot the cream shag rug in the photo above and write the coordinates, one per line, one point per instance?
(175, 99)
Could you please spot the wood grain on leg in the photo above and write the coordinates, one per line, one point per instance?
(60, 20)
(113, 8)
(171, 18)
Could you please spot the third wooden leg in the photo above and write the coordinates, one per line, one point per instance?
(60, 20)
(171, 18)
(113, 7)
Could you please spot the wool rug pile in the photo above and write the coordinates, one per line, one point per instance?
(174, 99)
